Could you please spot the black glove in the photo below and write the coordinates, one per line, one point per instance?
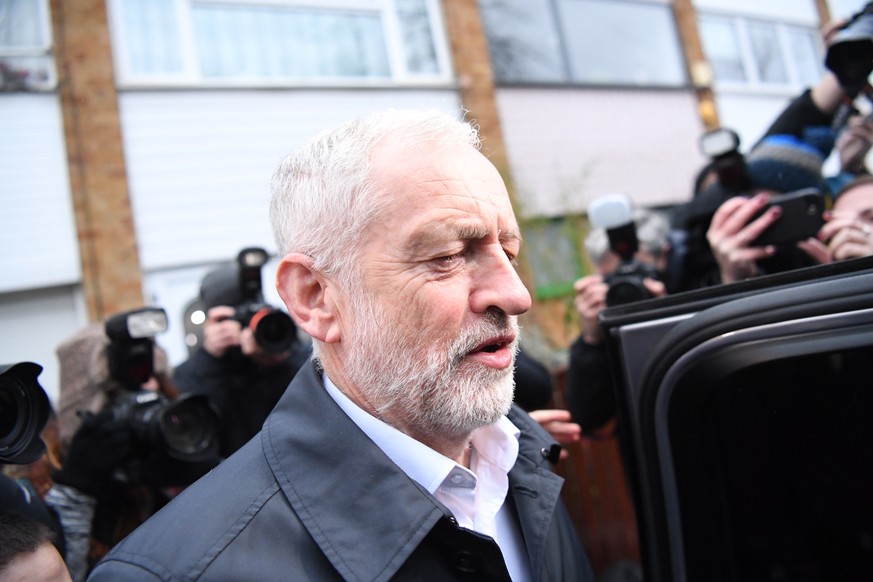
(99, 446)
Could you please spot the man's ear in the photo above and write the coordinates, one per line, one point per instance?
(308, 297)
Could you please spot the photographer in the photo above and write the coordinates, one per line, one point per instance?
(590, 396)
(129, 442)
(241, 373)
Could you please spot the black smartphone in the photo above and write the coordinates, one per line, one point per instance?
(802, 217)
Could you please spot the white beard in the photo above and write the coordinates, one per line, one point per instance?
(440, 394)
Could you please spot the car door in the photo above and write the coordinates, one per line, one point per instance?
(746, 417)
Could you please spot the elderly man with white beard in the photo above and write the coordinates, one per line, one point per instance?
(397, 454)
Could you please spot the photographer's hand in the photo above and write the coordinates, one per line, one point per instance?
(590, 301)
(845, 235)
(731, 236)
(655, 287)
(220, 333)
(854, 142)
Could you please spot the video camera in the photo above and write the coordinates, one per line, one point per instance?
(614, 213)
(274, 330)
(24, 411)
(184, 429)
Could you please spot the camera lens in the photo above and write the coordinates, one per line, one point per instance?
(189, 428)
(24, 410)
(274, 330)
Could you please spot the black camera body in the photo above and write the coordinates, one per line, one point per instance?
(626, 282)
(274, 330)
(185, 429)
(165, 432)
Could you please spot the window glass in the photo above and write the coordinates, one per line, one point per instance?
(151, 36)
(417, 36)
(773, 467)
(722, 48)
(523, 41)
(614, 42)
(25, 59)
(766, 53)
(759, 52)
(248, 41)
(805, 50)
(268, 42)
(583, 41)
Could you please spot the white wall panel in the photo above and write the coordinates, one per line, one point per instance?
(569, 146)
(199, 163)
(34, 323)
(38, 244)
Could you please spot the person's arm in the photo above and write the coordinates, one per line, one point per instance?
(590, 390)
(75, 509)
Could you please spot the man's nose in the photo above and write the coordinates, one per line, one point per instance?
(497, 284)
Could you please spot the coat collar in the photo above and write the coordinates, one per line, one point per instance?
(367, 516)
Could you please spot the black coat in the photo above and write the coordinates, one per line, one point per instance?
(312, 498)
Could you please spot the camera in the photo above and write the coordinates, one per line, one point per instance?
(850, 54)
(722, 147)
(185, 429)
(626, 282)
(273, 329)
(24, 411)
(614, 213)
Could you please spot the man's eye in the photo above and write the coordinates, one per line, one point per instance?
(450, 259)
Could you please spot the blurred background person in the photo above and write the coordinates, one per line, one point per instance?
(249, 351)
(589, 389)
(848, 230)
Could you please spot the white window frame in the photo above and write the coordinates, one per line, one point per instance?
(43, 50)
(754, 84)
(190, 75)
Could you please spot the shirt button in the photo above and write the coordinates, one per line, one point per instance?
(456, 478)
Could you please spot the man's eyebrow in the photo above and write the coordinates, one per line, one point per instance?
(443, 232)
(477, 232)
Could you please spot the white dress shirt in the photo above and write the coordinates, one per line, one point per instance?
(476, 497)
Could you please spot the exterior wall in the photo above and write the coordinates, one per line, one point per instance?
(36, 225)
(40, 301)
(569, 146)
(34, 323)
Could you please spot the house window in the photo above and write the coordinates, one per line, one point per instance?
(275, 42)
(26, 63)
(602, 42)
(760, 54)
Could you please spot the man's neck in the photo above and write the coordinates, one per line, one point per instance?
(455, 447)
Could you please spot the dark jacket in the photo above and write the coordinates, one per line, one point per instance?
(243, 391)
(312, 498)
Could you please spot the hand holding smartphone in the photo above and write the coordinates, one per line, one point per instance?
(802, 217)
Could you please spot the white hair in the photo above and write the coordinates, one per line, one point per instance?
(324, 197)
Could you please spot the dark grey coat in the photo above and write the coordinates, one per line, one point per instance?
(312, 498)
